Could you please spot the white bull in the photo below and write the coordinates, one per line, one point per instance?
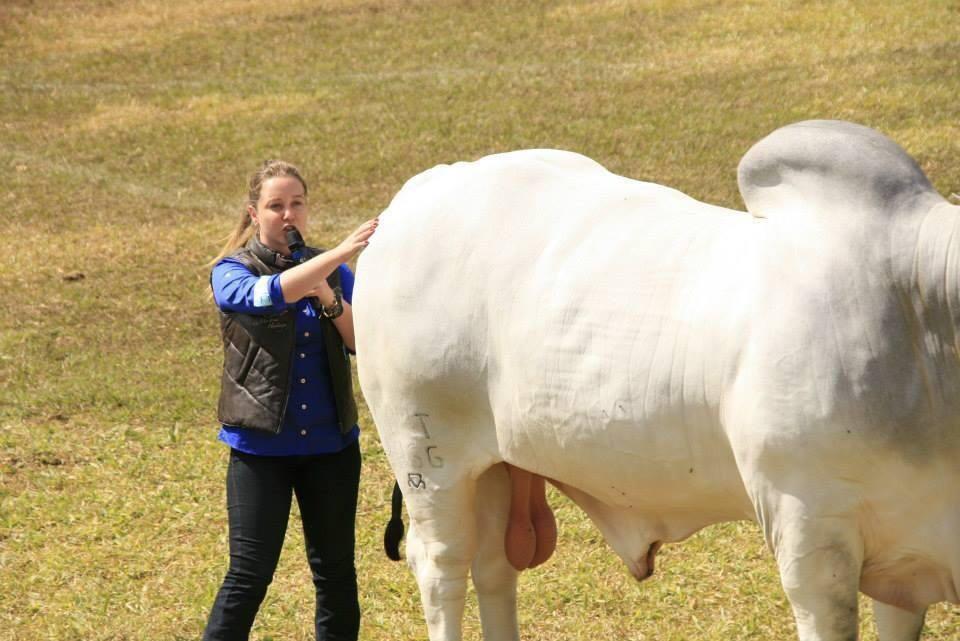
(670, 364)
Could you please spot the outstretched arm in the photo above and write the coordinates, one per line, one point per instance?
(310, 277)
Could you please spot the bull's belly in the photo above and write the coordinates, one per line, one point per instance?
(910, 581)
(673, 462)
(623, 404)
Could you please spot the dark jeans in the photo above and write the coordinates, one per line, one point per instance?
(259, 491)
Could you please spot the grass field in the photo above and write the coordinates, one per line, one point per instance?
(127, 131)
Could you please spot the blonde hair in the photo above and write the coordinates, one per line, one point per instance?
(245, 228)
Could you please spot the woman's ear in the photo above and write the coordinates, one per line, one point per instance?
(252, 211)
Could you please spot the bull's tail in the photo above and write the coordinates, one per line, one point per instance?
(394, 532)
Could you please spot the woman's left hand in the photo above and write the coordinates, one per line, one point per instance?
(323, 292)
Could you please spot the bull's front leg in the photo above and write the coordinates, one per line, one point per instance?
(894, 624)
(820, 556)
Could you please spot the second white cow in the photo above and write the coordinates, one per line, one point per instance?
(670, 364)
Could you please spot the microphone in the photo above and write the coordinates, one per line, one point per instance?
(296, 245)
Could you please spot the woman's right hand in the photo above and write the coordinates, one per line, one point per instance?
(358, 239)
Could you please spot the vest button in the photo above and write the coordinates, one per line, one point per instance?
(306, 334)
(302, 355)
(303, 380)
(303, 406)
(303, 432)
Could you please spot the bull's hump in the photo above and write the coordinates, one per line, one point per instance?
(829, 168)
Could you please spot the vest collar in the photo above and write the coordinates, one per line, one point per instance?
(268, 256)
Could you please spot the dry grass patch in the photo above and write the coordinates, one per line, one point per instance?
(128, 131)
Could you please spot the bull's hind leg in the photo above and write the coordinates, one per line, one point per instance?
(493, 575)
(438, 468)
(440, 548)
(894, 624)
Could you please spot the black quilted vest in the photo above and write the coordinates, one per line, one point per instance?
(258, 357)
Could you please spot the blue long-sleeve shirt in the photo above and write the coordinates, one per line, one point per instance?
(310, 423)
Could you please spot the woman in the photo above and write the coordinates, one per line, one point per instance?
(287, 407)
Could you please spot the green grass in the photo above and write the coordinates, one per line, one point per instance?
(127, 131)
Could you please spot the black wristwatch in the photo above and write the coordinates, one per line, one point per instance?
(335, 310)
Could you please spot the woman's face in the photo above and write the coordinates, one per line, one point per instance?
(282, 205)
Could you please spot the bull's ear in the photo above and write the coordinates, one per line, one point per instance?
(830, 168)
